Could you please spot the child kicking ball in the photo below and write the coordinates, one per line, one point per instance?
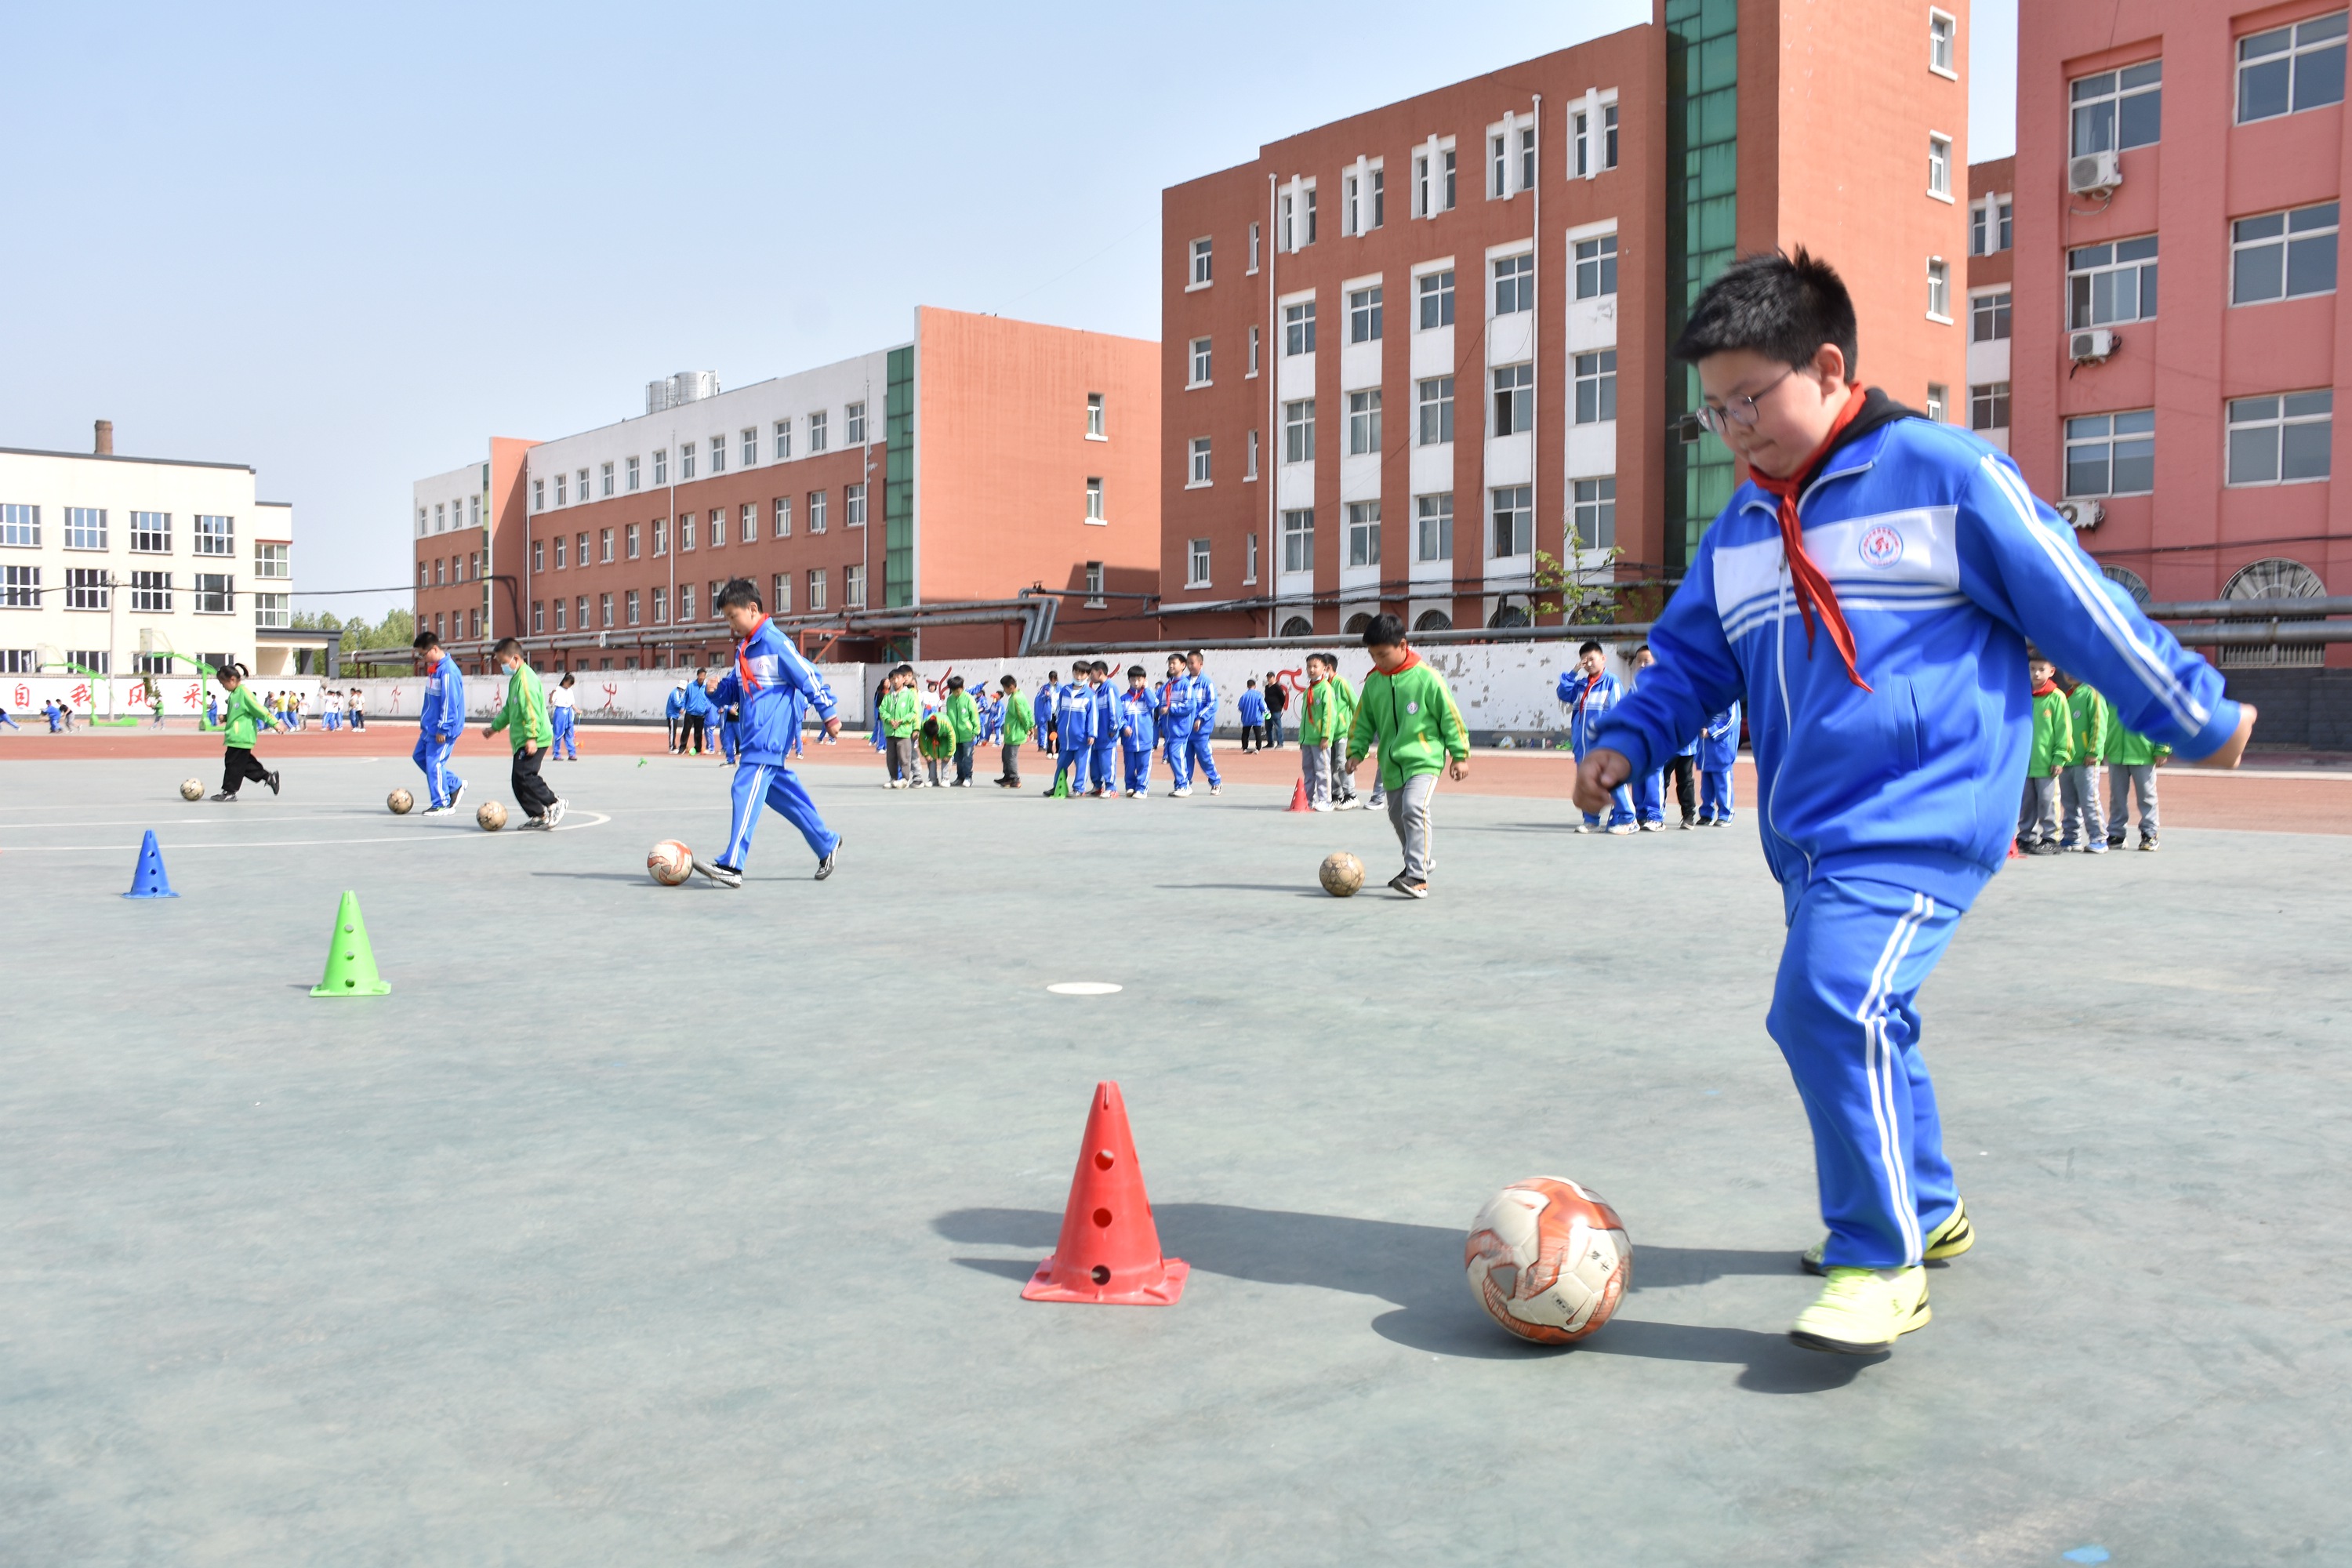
(1406, 712)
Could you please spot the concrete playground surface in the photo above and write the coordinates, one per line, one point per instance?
(644, 1226)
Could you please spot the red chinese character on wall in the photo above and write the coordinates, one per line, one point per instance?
(80, 695)
(24, 695)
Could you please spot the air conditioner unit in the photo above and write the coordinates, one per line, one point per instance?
(2082, 515)
(2094, 173)
(2090, 345)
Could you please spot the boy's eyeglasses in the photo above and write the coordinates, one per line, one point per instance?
(1739, 410)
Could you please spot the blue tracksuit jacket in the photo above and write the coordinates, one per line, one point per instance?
(1106, 701)
(1589, 700)
(1040, 715)
(443, 713)
(768, 673)
(1137, 732)
(1719, 740)
(1203, 702)
(1252, 707)
(697, 701)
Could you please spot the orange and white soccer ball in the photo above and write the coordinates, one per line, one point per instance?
(669, 862)
(1548, 1260)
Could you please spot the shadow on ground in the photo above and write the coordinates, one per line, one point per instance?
(1419, 1268)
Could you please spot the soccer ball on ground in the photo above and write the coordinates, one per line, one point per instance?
(1548, 1260)
(669, 862)
(399, 802)
(190, 789)
(492, 817)
(1341, 874)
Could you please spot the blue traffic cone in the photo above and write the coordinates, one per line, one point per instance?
(148, 881)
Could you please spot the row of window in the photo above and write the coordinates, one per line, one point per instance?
(2279, 439)
(651, 606)
(28, 661)
(709, 458)
(694, 531)
(2284, 71)
(151, 593)
(86, 528)
(1510, 513)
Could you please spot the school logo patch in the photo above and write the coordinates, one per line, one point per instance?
(1412, 707)
(1881, 547)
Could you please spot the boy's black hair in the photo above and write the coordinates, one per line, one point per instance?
(1782, 306)
(1196, 653)
(1252, 680)
(1639, 649)
(1331, 660)
(1010, 682)
(1385, 631)
(955, 683)
(1135, 672)
(740, 591)
(424, 640)
(1053, 675)
(506, 646)
(1587, 645)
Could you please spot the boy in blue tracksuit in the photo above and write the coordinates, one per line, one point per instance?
(439, 721)
(1135, 734)
(694, 731)
(1073, 714)
(1591, 692)
(1718, 749)
(1197, 752)
(674, 715)
(1043, 707)
(1869, 594)
(768, 685)
(1252, 707)
(1105, 699)
(1172, 712)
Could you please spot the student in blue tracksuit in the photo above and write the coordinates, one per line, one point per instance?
(768, 682)
(721, 720)
(1590, 691)
(1074, 713)
(1105, 699)
(1204, 723)
(563, 712)
(674, 712)
(1869, 594)
(694, 731)
(1173, 709)
(1718, 749)
(1251, 706)
(1044, 708)
(439, 721)
(1134, 732)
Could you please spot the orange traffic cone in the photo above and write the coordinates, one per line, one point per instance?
(1298, 796)
(1109, 1250)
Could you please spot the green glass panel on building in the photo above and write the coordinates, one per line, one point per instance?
(1702, 232)
(899, 481)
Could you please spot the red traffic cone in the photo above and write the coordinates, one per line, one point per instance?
(1109, 1250)
(1298, 796)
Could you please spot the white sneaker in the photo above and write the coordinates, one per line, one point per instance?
(435, 811)
(1321, 805)
(1585, 828)
(1623, 828)
(1348, 803)
(1216, 789)
(1654, 828)
(555, 812)
(1180, 792)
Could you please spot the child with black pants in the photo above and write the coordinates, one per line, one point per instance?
(244, 718)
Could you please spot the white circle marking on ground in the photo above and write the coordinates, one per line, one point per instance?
(1083, 988)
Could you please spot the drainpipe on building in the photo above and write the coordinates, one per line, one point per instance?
(672, 525)
(1535, 391)
(1269, 355)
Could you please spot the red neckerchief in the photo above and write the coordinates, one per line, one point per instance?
(742, 668)
(2045, 689)
(1411, 659)
(1815, 597)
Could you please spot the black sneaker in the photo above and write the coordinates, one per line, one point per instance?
(2044, 847)
(272, 781)
(1409, 886)
(2147, 841)
(825, 867)
(2115, 840)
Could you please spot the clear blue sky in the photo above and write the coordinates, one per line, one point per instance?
(346, 245)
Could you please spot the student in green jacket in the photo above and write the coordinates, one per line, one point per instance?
(2132, 762)
(1407, 712)
(1018, 722)
(1343, 783)
(962, 717)
(2083, 823)
(1319, 732)
(242, 720)
(2053, 748)
(529, 731)
(902, 713)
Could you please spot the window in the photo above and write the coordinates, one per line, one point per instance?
(1939, 403)
(538, 556)
(151, 591)
(1514, 285)
(1515, 520)
(559, 615)
(273, 561)
(1596, 266)
(1094, 584)
(1514, 399)
(1988, 317)
(780, 593)
(1989, 406)
(1434, 182)
(558, 490)
(1940, 28)
(816, 511)
(1249, 471)
(605, 610)
(1363, 423)
(1095, 417)
(151, 533)
(629, 540)
(784, 434)
(1939, 288)
(605, 478)
(718, 528)
(215, 535)
(1594, 514)
(2107, 283)
(1196, 563)
(1361, 200)
(214, 594)
(1252, 351)
(1201, 263)
(853, 587)
(579, 552)
(1254, 240)
(2281, 440)
(751, 439)
(538, 616)
(21, 525)
(1298, 541)
(2283, 255)
(852, 420)
(661, 537)
(1298, 328)
(685, 535)
(2119, 109)
(1364, 316)
(660, 606)
(685, 606)
(440, 517)
(817, 589)
(2111, 454)
(1498, 165)
(1434, 400)
(1249, 572)
(1939, 167)
(1363, 534)
(1436, 300)
(559, 542)
(274, 610)
(604, 544)
(20, 587)
(538, 502)
(853, 506)
(1298, 431)
(686, 461)
(661, 467)
(1199, 363)
(817, 432)
(629, 607)
(98, 660)
(780, 523)
(1433, 527)
(436, 572)
(1199, 472)
(2291, 68)
(1596, 387)
(1527, 158)
(86, 528)
(718, 454)
(1094, 499)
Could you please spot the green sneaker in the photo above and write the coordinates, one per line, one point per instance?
(1862, 1311)
(1949, 1239)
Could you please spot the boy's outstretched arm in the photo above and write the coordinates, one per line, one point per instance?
(1694, 677)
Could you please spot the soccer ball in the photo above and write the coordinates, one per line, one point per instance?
(1341, 874)
(492, 817)
(1548, 1260)
(400, 801)
(190, 789)
(669, 862)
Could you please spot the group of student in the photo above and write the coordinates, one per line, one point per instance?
(696, 723)
(2075, 731)
(526, 717)
(1639, 806)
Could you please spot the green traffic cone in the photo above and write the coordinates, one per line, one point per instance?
(351, 962)
(1061, 790)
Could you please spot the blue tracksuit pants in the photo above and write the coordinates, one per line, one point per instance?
(1139, 766)
(1620, 802)
(1715, 794)
(564, 723)
(1650, 797)
(1196, 754)
(1845, 1014)
(726, 739)
(433, 756)
(1072, 759)
(778, 787)
(1105, 763)
(1177, 750)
